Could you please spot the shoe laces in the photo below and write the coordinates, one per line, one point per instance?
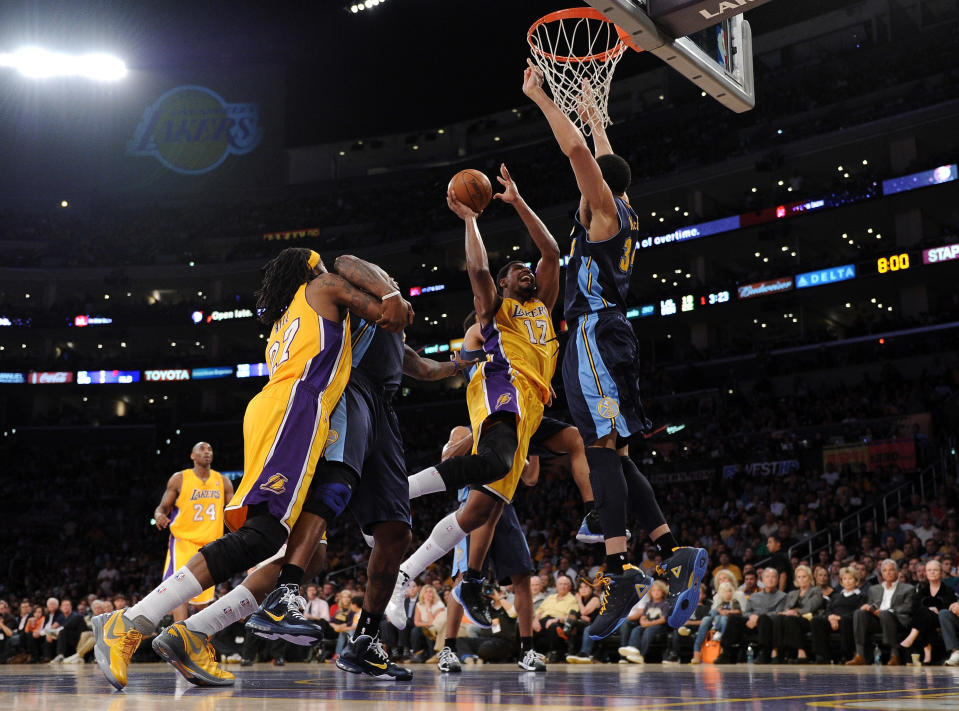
(295, 603)
(131, 640)
(532, 655)
(601, 580)
(211, 651)
(376, 646)
(447, 656)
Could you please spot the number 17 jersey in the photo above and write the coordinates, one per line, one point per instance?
(598, 273)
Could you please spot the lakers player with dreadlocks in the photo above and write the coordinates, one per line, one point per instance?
(285, 431)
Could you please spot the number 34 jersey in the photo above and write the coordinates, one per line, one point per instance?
(286, 425)
(597, 276)
(198, 511)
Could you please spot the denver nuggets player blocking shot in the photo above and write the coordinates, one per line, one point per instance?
(601, 370)
(192, 508)
(505, 397)
(285, 430)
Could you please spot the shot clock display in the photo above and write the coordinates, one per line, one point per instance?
(717, 297)
(893, 263)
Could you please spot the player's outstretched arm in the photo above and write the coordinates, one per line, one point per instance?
(420, 368)
(485, 298)
(343, 294)
(397, 313)
(162, 513)
(590, 116)
(547, 271)
(605, 218)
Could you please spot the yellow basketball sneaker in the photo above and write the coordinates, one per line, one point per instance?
(191, 654)
(115, 641)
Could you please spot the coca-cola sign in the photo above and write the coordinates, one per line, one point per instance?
(762, 288)
(48, 378)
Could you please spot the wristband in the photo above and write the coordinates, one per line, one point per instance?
(390, 295)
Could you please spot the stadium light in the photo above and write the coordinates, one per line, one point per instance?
(39, 63)
(364, 5)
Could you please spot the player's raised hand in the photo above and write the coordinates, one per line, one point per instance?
(461, 210)
(510, 192)
(586, 108)
(532, 79)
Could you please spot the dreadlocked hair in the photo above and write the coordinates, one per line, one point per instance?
(282, 276)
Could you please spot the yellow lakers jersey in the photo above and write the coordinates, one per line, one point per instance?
(521, 338)
(304, 345)
(198, 511)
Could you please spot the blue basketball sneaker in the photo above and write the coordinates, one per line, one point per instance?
(591, 530)
(476, 604)
(281, 617)
(619, 594)
(684, 569)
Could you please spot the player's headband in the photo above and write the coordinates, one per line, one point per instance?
(313, 260)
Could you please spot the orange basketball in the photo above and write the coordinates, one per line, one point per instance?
(472, 188)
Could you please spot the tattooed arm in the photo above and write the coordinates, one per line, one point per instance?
(415, 366)
(372, 279)
(330, 294)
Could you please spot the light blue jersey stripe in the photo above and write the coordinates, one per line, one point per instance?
(591, 369)
(362, 340)
(587, 279)
(335, 450)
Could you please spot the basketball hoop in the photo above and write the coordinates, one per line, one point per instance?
(577, 50)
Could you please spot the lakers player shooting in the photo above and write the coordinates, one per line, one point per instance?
(192, 509)
(601, 369)
(505, 398)
(285, 431)
(552, 438)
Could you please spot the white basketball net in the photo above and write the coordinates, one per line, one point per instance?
(577, 56)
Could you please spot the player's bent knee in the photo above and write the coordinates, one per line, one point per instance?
(332, 489)
(258, 539)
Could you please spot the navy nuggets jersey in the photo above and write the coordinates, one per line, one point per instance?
(378, 354)
(597, 277)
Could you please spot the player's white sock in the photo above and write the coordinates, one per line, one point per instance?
(444, 537)
(220, 614)
(425, 482)
(175, 590)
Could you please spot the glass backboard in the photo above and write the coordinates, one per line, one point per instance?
(717, 59)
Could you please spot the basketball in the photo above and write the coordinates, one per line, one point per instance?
(472, 188)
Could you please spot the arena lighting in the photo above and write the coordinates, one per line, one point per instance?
(366, 5)
(39, 63)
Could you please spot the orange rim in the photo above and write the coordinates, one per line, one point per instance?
(581, 13)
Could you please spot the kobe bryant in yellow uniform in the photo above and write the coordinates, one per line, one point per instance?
(192, 509)
(506, 396)
(285, 429)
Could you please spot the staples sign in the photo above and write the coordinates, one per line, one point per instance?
(941, 254)
(166, 375)
(47, 378)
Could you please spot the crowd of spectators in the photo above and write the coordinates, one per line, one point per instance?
(91, 544)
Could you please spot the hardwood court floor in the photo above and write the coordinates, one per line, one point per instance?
(302, 687)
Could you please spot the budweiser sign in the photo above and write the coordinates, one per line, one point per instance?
(37, 378)
(761, 288)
